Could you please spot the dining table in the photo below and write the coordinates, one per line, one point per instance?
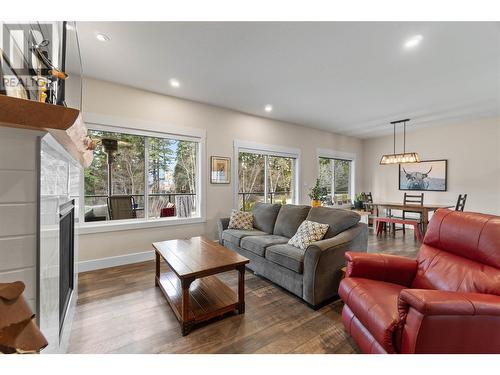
(425, 209)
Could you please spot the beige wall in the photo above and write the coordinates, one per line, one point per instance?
(473, 153)
(222, 128)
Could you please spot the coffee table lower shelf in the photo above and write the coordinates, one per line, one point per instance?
(208, 298)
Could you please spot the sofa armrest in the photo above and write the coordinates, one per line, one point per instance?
(222, 224)
(382, 267)
(324, 259)
(435, 321)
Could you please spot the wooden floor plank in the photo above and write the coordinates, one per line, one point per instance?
(120, 310)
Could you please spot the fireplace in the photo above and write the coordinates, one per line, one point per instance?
(66, 256)
(57, 274)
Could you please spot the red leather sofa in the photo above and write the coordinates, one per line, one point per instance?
(445, 301)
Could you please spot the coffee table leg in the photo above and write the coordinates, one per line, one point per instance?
(186, 325)
(157, 268)
(241, 289)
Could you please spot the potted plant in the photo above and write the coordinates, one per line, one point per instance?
(315, 194)
(359, 201)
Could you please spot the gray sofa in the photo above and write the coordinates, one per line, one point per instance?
(313, 274)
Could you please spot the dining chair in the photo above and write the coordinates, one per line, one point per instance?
(416, 199)
(121, 207)
(461, 202)
(368, 206)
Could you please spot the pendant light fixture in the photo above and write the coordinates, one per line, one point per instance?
(405, 157)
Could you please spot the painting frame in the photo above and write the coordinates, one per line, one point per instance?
(220, 170)
(443, 164)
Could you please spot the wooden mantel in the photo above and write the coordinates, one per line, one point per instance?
(63, 123)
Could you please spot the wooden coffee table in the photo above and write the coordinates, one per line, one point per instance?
(189, 285)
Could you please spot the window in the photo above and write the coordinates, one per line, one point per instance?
(265, 176)
(335, 177)
(171, 175)
(141, 177)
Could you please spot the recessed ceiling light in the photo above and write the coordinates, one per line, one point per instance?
(413, 41)
(268, 108)
(102, 37)
(174, 82)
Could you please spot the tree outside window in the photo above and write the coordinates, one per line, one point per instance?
(264, 178)
(335, 179)
(170, 171)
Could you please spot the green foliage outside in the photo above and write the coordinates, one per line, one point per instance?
(336, 171)
(251, 179)
(172, 168)
(128, 166)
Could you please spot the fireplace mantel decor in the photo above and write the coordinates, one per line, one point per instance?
(18, 331)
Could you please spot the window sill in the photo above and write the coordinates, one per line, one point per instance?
(119, 225)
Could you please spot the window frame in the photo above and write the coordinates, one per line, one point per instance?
(339, 155)
(266, 150)
(135, 127)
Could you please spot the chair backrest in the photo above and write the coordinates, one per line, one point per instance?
(461, 202)
(121, 207)
(460, 252)
(414, 199)
(369, 197)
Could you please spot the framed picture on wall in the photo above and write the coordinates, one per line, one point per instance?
(428, 175)
(220, 170)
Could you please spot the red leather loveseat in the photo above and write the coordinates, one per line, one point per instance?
(446, 301)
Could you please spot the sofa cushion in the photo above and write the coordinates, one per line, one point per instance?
(338, 219)
(258, 244)
(287, 256)
(264, 216)
(235, 235)
(289, 219)
(375, 304)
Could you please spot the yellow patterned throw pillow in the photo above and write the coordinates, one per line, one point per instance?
(241, 220)
(308, 232)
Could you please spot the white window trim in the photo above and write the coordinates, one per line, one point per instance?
(135, 127)
(265, 149)
(333, 154)
(118, 225)
(144, 126)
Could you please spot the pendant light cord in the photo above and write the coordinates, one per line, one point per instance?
(394, 138)
(404, 137)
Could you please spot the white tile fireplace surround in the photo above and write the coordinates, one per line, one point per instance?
(37, 180)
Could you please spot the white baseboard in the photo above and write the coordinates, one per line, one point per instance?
(120, 260)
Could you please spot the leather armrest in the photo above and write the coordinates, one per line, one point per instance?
(435, 321)
(437, 302)
(222, 224)
(382, 267)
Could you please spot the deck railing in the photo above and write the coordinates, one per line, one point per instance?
(245, 196)
(170, 198)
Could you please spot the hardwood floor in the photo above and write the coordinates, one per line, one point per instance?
(121, 311)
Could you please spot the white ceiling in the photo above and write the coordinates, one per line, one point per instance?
(347, 77)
